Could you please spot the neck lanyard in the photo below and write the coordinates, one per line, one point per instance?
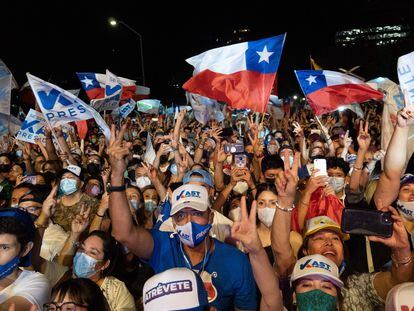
(205, 259)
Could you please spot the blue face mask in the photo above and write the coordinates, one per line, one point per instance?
(84, 265)
(8, 268)
(192, 234)
(68, 186)
(19, 153)
(173, 169)
(316, 300)
(134, 204)
(150, 205)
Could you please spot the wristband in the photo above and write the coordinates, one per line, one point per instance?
(357, 168)
(116, 188)
(99, 215)
(288, 209)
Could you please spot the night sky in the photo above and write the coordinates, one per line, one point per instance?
(54, 41)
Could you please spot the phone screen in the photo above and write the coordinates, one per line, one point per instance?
(320, 165)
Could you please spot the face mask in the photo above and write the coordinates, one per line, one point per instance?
(8, 268)
(316, 300)
(290, 160)
(93, 190)
(406, 209)
(93, 169)
(19, 153)
(235, 214)
(150, 205)
(134, 204)
(143, 181)
(192, 234)
(173, 169)
(266, 215)
(279, 140)
(272, 149)
(134, 134)
(337, 183)
(5, 168)
(84, 265)
(68, 186)
(241, 187)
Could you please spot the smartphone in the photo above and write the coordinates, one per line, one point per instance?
(367, 222)
(234, 148)
(240, 160)
(30, 179)
(320, 164)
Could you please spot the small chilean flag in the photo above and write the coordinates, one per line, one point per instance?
(327, 90)
(241, 74)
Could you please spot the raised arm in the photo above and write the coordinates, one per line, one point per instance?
(138, 240)
(395, 158)
(286, 185)
(50, 147)
(245, 231)
(364, 141)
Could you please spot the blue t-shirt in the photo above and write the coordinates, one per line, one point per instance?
(227, 273)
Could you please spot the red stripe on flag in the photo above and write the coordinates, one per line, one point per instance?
(332, 97)
(240, 90)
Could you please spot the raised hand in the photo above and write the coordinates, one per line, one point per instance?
(364, 138)
(119, 151)
(347, 142)
(298, 130)
(149, 170)
(215, 133)
(221, 155)
(81, 220)
(405, 117)
(49, 205)
(287, 182)
(236, 175)
(315, 182)
(245, 230)
(105, 177)
(27, 149)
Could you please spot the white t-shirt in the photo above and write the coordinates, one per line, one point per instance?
(54, 239)
(30, 285)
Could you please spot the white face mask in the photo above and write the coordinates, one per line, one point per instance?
(266, 215)
(143, 181)
(272, 149)
(337, 183)
(241, 187)
(235, 214)
(406, 209)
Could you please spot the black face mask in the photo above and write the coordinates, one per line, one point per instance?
(137, 149)
(131, 175)
(5, 168)
(93, 169)
(270, 180)
(49, 177)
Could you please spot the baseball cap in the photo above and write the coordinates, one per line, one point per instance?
(206, 177)
(316, 265)
(194, 196)
(407, 179)
(400, 296)
(75, 170)
(174, 289)
(319, 223)
(76, 150)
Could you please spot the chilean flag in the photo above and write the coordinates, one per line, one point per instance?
(94, 86)
(327, 90)
(241, 74)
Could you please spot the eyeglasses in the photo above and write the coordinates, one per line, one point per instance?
(66, 306)
(30, 209)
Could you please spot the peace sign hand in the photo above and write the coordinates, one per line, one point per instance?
(49, 205)
(245, 230)
(81, 220)
(364, 138)
(119, 151)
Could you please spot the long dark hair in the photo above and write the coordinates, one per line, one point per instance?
(112, 251)
(81, 291)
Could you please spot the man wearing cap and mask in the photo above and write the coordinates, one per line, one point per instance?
(24, 288)
(225, 271)
(72, 198)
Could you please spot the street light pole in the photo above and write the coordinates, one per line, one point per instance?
(113, 23)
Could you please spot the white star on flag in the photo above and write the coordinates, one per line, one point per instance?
(88, 82)
(311, 79)
(264, 55)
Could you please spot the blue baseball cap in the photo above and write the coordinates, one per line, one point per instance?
(206, 177)
(175, 289)
(407, 179)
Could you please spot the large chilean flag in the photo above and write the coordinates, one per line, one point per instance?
(241, 74)
(327, 90)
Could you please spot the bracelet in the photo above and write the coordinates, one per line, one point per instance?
(357, 168)
(37, 225)
(288, 209)
(99, 215)
(405, 261)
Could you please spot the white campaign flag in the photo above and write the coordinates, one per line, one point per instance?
(150, 106)
(32, 127)
(149, 156)
(61, 107)
(5, 71)
(113, 92)
(124, 110)
(5, 93)
(205, 109)
(9, 124)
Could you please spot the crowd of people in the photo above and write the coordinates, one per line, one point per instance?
(231, 215)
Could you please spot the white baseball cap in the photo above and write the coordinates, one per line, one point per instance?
(174, 289)
(399, 296)
(194, 196)
(74, 169)
(316, 265)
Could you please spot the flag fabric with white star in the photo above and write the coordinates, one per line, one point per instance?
(328, 90)
(240, 75)
(94, 85)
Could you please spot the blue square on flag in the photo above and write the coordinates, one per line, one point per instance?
(88, 80)
(311, 80)
(264, 55)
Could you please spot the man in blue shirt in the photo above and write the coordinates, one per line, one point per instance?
(226, 272)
